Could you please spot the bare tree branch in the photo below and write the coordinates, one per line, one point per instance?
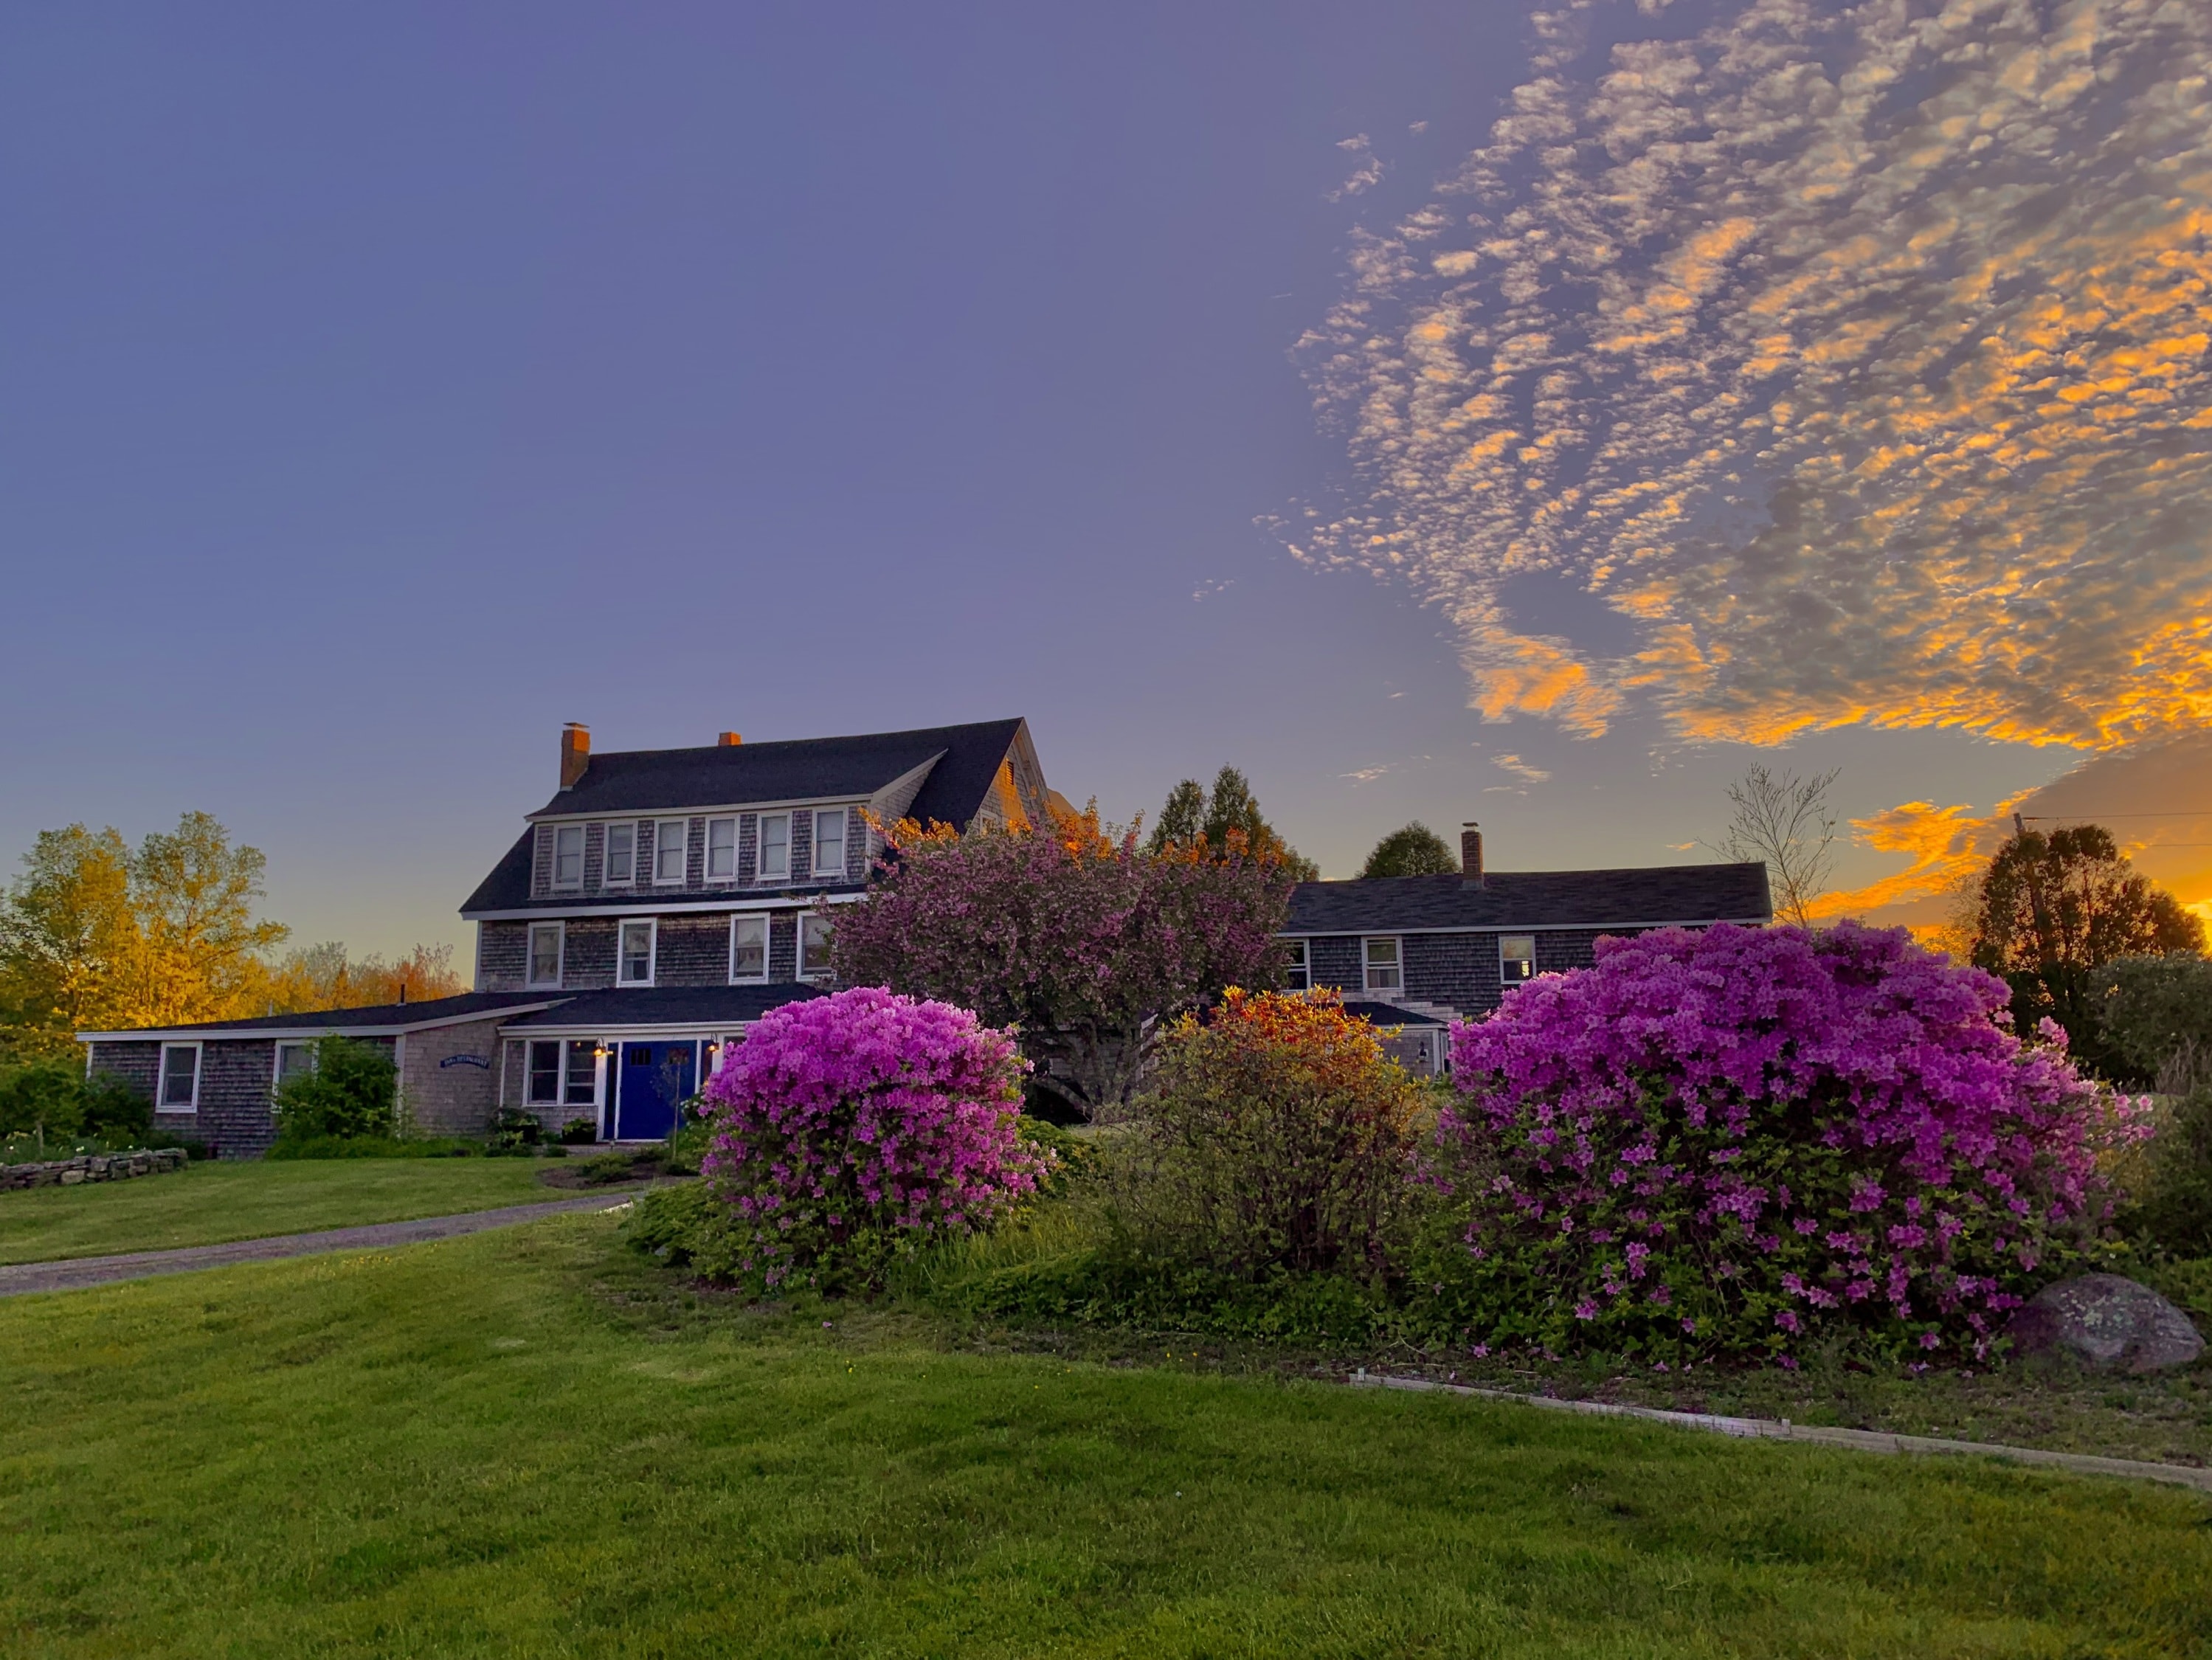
(1785, 821)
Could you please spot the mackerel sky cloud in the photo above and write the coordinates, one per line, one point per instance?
(1778, 366)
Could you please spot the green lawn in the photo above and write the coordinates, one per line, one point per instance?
(527, 1443)
(208, 1204)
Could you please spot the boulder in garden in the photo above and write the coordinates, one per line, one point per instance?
(2106, 1321)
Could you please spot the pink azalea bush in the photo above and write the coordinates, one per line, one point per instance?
(847, 1130)
(1740, 1141)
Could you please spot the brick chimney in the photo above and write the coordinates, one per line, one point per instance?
(729, 740)
(575, 753)
(1470, 852)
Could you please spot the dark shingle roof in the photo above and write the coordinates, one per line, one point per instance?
(672, 1005)
(1387, 1015)
(797, 770)
(508, 885)
(381, 1018)
(1540, 898)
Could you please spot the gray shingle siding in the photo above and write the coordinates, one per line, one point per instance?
(783, 946)
(1459, 970)
(1335, 960)
(138, 1065)
(502, 955)
(587, 954)
(692, 951)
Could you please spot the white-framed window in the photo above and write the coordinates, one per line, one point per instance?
(569, 855)
(1517, 957)
(579, 1078)
(545, 1089)
(721, 849)
(749, 947)
(1384, 972)
(544, 954)
(830, 843)
(670, 836)
(633, 950)
(814, 932)
(1297, 967)
(179, 1088)
(294, 1059)
(775, 846)
(621, 855)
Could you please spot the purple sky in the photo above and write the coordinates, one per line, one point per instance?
(383, 387)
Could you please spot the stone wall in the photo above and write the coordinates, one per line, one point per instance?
(92, 1167)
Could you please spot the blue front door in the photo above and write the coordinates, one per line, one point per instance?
(655, 1078)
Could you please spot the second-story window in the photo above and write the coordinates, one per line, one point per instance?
(749, 948)
(774, 846)
(1297, 970)
(1517, 957)
(669, 836)
(545, 953)
(721, 849)
(830, 844)
(569, 856)
(634, 958)
(1384, 971)
(622, 853)
(813, 946)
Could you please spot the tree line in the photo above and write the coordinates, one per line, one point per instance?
(98, 935)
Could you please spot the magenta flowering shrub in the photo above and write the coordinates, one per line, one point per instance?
(1739, 1141)
(847, 1130)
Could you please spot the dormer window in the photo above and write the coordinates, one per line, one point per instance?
(775, 846)
(721, 849)
(621, 854)
(569, 856)
(830, 844)
(669, 836)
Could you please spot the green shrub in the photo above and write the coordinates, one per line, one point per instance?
(1276, 1137)
(2154, 1021)
(351, 1093)
(2171, 1175)
(579, 1133)
(688, 1228)
(54, 1100)
(512, 1127)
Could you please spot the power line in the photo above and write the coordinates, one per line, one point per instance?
(2054, 818)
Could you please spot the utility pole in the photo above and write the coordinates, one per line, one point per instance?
(2046, 948)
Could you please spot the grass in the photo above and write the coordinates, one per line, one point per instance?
(209, 1204)
(532, 1443)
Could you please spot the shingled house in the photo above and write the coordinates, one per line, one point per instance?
(658, 904)
(1421, 951)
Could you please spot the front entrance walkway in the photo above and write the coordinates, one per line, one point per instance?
(82, 1271)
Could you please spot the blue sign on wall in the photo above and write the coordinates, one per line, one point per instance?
(465, 1061)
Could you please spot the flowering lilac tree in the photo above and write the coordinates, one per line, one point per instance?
(1079, 941)
(1735, 1140)
(849, 1129)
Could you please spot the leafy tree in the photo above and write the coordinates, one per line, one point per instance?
(69, 938)
(54, 1099)
(1225, 824)
(1416, 850)
(195, 895)
(2154, 1021)
(1080, 939)
(324, 976)
(1785, 821)
(2054, 909)
(352, 1092)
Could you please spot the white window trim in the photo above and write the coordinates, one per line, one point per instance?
(606, 837)
(553, 877)
(530, 980)
(1301, 964)
(707, 852)
(799, 969)
(277, 1060)
(161, 1103)
(843, 815)
(660, 880)
(768, 932)
(1516, 980)
(1367, 967)
(598, 1075)
(559, 1071)
(652, 951)
(760, 872)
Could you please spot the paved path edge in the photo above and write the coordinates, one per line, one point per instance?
(78, 1272)
(1768, 1429)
